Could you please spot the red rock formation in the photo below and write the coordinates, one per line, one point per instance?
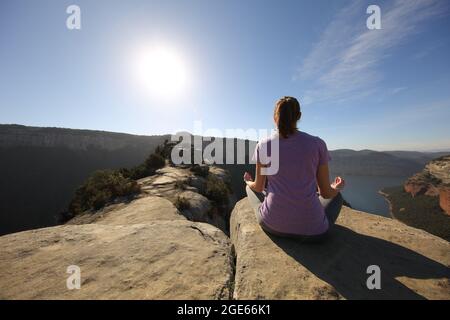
(420, 184)
(435, 175)
(444, 199)
(414, 188)
(432, 191)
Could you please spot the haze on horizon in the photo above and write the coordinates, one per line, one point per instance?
(225, 63)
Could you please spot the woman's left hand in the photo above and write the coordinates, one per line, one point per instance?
(248, 177)
(338, 184)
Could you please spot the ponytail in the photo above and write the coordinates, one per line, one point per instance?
(286, 115)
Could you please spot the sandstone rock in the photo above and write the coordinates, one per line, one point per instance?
(435, 174)
(174, 172)
(139, 211)
(433, 181)
(159, 260)
(199, 205)
(414, 186)
(440, 168)
(203, 210)
(220, 173)
(198, 183)
(165, 183)
(174, 182)
(414, 264)
(163, 180)
(143, 249)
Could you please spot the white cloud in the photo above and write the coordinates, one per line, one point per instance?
(398, 89)
(343, 65)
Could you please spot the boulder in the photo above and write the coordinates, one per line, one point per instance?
(220, 173)
(198, 183)
(138, 211)
(413, 263)
(159, 260)
(173, 183)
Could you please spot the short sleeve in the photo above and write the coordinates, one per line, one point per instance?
(324, 155)
(255, 157)
(262, 153)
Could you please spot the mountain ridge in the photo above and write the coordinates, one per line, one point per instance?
(4, 128)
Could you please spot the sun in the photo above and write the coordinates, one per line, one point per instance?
(160, 71)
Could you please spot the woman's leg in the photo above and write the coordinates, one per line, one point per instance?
(256, 199)
(332, 207)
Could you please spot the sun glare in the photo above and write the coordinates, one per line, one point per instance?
(161, 72)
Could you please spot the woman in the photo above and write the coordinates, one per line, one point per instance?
(291, 205)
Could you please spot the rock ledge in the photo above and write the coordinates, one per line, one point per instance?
(413, 263)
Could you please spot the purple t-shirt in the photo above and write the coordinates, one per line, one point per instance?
(292, 204)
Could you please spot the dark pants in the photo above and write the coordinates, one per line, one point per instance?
(332, 209)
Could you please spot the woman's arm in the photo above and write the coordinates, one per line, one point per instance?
(326, 189)
(260, 180)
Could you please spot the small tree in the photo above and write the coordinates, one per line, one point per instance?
(201, 171)
(155, 161)
(216, 190)
(100, 188)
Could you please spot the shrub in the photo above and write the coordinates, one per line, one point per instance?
(125, 172)
(166, 149)
(64, 216)
(180, 184)
(201, 171)
(182, 203)
(216, 190)
(140, 171)
(105, 185)
(155, 161)
(100, 188)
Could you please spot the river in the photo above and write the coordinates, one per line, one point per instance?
(362, 192)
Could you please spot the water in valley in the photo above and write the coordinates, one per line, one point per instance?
(362, 192)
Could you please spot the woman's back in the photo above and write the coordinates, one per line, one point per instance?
(291, 204)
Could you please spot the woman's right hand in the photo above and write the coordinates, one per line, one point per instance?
(338, 183)
(247, 177)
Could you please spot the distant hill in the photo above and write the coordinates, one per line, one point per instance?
(40, 168)
(376, 163)
(17, 135)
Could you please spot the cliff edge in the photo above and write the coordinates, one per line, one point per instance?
(424, 200)
(146, 248)
(413, 263)
(434, 181)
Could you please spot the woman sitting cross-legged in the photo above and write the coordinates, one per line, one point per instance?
(298, 200)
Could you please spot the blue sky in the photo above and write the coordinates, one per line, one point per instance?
(362, 89)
